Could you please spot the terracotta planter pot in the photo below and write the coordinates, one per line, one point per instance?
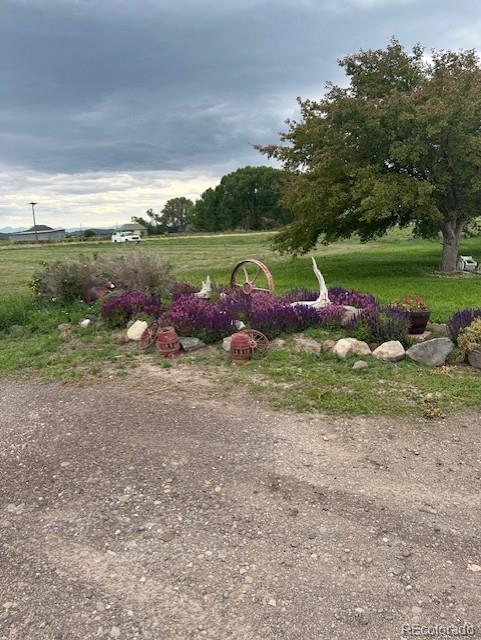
(474, 359)
(419, 320)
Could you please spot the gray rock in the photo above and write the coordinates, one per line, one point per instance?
(64, 327)
(474, 359)
(391, 351)
(191, 344)
(432, 353)
(349, 313)
(420, 337)
(278, 343)
(350, 347)
(226, 343)
(439, 327)
(359, 365)
(328, 345)
(309, 345)
(135, 331)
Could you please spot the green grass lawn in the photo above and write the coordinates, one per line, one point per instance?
(389, 268)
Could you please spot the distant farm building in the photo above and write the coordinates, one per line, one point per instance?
(135, 227)
(39, 233)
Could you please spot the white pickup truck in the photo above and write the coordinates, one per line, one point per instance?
(126, 236)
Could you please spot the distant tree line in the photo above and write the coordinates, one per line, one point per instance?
(248, 199)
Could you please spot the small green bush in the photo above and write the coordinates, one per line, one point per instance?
(67, 281)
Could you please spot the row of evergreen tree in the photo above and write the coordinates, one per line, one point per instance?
(248, 198)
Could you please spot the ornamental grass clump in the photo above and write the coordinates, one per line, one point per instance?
(138, 271)
(191, 316)
(380, 324)
(119, 309)
(462, 319)
(470, 337)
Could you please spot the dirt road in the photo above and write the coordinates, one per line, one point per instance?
(178, 514)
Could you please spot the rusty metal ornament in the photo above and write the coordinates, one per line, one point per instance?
(250, 282)
(147, 339)
(241, 347)
(259, 342)
(167, 342)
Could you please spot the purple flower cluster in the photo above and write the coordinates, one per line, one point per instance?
(202, 319)
(462, 319)
(337, 295)
(119, 309)
(340, 296)
(298, 294)
(379, 324)
(330, 317)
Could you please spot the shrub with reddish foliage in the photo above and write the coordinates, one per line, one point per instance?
(118, 310)
(202, 319)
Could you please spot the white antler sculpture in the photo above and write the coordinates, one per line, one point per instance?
(206, 289)
(323, 299)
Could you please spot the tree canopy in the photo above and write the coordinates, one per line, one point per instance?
(175, 217)
(400, 145)
(248, 198)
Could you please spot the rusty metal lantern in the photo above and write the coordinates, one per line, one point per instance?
(167, 342)
(241, 347)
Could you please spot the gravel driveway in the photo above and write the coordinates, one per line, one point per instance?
(153, 507)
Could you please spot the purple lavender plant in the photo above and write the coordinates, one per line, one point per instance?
(118, 310)
(340, 296)
(380, 324)
(462, 319)
(200, 318)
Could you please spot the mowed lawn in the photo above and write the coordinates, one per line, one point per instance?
(389, 268)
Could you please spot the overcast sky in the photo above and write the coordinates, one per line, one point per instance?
(109, 107)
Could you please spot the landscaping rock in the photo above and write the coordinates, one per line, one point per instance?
(278, 343)
(474, 359)
(191, 344)
(350, 347)
(135, 331)
(226, 343)
(309, 345)
(391, 351)
(86, 322)
(432, 353)
(239, 325)
(328, 345)
(349, 314)
(420, 337)
(439, 327)
(64, 327)
(360, 365)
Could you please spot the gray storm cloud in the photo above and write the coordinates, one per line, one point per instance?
(150, 85)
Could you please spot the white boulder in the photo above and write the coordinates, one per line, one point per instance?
(135, 331)
(391, 351)
(347, 347)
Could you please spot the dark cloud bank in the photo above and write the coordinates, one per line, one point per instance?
(96, 85)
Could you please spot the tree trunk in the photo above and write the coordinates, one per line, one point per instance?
(451, 238)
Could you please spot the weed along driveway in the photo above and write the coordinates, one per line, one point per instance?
(156, 506)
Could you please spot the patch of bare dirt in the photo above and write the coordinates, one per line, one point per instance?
(153, 507)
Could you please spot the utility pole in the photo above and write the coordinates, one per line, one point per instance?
(34, 221)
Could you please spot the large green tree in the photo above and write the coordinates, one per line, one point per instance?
(248, 198)
(399, 145)
(176, 214)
